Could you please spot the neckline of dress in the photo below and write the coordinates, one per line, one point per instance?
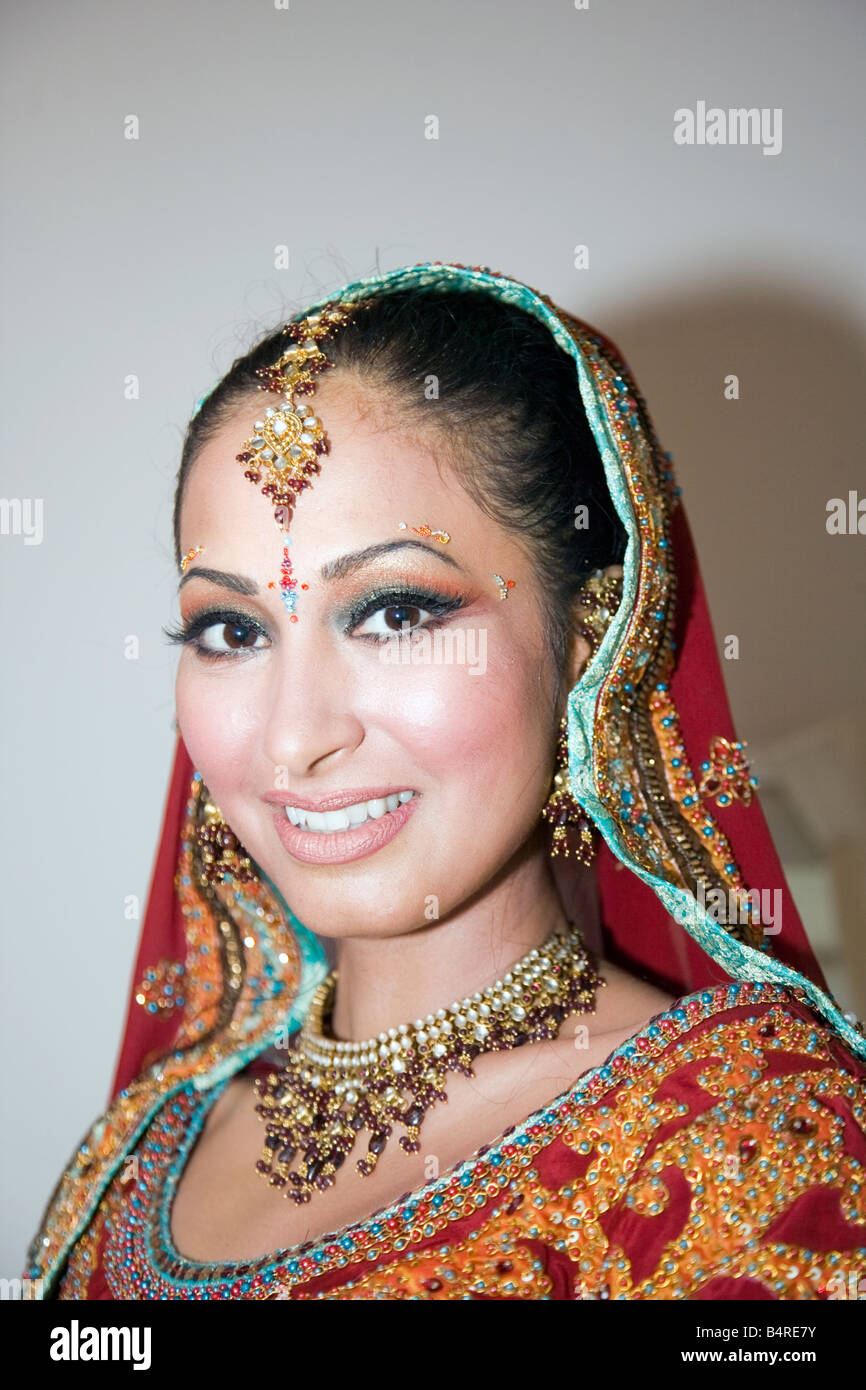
(723, 996)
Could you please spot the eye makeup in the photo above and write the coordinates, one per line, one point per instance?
(189, 633)
(398, 595)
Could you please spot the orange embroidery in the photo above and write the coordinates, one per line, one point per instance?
(713, 1148)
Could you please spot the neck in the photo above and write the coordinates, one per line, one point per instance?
(386, 981)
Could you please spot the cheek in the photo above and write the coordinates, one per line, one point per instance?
(456, 726)
(218, 724)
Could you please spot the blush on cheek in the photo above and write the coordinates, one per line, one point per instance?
(451, 723)
(219, 742)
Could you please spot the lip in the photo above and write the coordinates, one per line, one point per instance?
(335, 801)
(340, 846)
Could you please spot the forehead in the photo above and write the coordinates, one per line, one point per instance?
(380, 470)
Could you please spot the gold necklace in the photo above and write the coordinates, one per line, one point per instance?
(316, 1106)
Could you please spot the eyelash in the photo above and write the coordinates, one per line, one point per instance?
(188, 633)
(437, 605)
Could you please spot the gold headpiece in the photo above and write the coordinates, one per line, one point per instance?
(289, 438)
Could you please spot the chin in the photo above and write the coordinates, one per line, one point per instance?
(334, 916)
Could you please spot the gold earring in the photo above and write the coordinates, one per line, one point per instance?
(563, 812)
(220, 850)
(600, 597)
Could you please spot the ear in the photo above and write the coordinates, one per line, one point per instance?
(579, 650)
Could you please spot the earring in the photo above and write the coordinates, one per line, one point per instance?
(563, 812)
(220, 850)
(600, 597)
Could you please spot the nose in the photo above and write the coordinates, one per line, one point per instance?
(310, 726)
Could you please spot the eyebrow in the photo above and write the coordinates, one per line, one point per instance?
(348, 564)
(333, 569)
(238, 582)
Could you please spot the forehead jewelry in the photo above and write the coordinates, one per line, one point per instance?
(190, 556)
(283, 451)
(288, 585)
(424, 530)
(503, 585)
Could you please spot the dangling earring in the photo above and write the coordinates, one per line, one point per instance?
(600, 597)
(563, 812)
(221, 851)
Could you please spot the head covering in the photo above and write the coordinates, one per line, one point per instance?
(223, 971)
(648, 726)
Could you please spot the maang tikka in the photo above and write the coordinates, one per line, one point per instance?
(599, 598)
(287, 441)
(285, 449)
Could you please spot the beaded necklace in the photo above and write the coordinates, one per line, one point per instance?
(316, 1106)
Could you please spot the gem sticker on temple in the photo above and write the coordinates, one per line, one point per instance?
(288, 439)
(190, 556)
(503, 585)
(424, 530)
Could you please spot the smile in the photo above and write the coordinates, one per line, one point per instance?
(347, 831)
(348, 817)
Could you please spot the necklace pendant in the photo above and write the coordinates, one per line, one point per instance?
(329, 1092)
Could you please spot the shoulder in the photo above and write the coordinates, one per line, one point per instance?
(726, 1157)
(627, 1001)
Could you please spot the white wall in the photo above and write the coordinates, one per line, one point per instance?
(155, 257)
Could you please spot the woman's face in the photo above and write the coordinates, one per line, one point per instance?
(336, 712)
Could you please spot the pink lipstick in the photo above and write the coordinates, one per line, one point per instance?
(341, 826)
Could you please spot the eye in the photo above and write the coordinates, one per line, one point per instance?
(217, 635)
(392, 620)
(393, 614)
(226, 637)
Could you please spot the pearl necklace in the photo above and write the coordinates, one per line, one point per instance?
(328, 1091)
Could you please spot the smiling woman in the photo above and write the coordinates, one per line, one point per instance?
(643, 1101)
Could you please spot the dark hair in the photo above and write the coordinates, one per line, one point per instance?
(508, 407)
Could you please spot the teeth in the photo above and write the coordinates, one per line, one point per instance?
(350, 816)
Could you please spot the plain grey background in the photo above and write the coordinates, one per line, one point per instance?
(155, 258)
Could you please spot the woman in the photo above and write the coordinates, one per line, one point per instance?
(441, 625)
